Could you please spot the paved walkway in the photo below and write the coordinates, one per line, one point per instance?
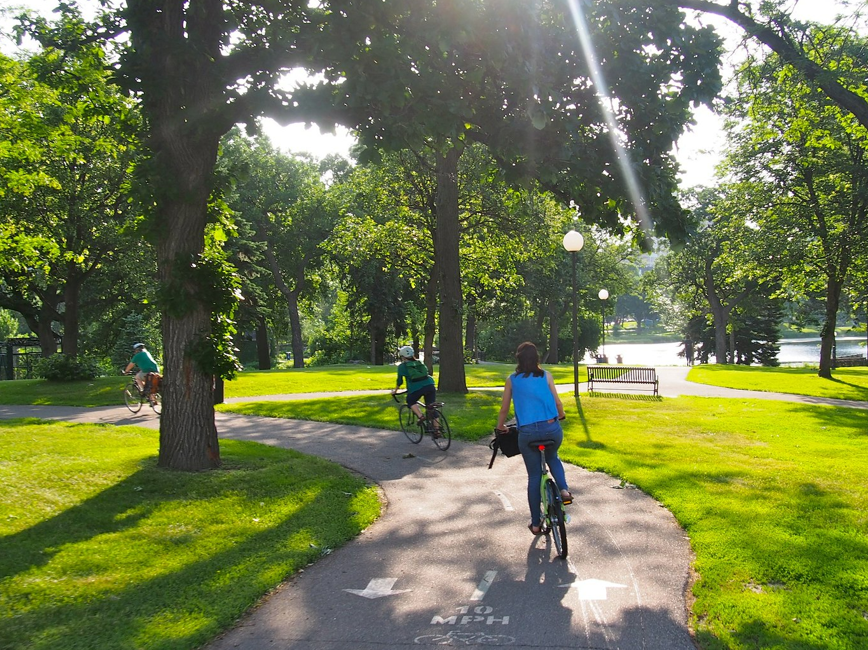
(451, 561)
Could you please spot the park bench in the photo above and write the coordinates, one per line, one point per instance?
(622, 375)
(849, 361)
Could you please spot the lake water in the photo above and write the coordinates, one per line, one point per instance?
(793, 351)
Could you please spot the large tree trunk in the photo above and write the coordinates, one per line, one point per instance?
(183, 98)
(46, 335)
(291, 297)
(377, 331)
(263, 350)
(553, 354)
(71, 294)
(719, 313)
(188, 433)
(827, 334)
(295, 327)
(452, 378)
(430, 318)
(470, 330)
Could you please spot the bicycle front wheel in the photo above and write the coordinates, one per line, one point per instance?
(410, 425)
(132, 397)
(556, 519)
(443, 437)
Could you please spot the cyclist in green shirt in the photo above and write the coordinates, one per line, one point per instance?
(419, 383)
(145, 362)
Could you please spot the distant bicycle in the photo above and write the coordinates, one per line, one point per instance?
(135, 397)
(554, 517)
(434, 423)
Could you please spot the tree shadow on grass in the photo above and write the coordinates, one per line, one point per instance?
(635, 397)
(588, 442)
(176, 608)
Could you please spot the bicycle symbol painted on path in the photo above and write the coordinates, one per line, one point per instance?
(465, 639)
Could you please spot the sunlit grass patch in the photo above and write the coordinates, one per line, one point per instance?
(469, 415)
(774, 498)
(846, 383)
(102, 391)
(101, 549)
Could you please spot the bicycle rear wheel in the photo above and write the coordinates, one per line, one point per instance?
(556, 519)
(157, 403)
(132, 397)
(443, 438)
(410, 425)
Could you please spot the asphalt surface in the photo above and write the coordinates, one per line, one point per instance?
(451, 561)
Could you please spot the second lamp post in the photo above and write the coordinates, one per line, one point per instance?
(573, 242)
(604, 296)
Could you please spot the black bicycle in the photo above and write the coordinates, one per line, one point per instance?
(434, 423)
(134, 397)
(554, 517)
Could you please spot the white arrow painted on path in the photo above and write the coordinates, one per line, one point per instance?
(482, 589)
(377, 588)
(593, 589)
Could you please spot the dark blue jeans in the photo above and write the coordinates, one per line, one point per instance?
(541, 431)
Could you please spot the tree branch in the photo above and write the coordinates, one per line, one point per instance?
(783, 46)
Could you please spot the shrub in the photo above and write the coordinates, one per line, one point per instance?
(63, 367)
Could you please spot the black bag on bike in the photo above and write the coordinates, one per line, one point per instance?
(505, 443)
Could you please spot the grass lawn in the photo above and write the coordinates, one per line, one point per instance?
(470, 415)
(776, 514)
(102, 550)
(360, 377)
(102, 391)
(846, 383)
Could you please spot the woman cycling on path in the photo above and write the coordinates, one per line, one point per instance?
(538, 409)
(419, 383)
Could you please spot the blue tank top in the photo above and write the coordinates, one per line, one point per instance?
(532, 399)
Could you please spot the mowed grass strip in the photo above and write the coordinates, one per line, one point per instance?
(469, 415)
(361, 377)
(102, 391)
(103, 550)
(846, 383)
(773, 496)
(107, 391)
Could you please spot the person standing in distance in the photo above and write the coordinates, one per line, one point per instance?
(538, 411)
(419, 383)
(145, 363)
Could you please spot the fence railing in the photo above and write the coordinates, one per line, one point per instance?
(18, 358)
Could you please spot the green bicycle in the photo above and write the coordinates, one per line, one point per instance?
(554, 517)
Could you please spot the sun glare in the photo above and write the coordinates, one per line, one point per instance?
(615, 133)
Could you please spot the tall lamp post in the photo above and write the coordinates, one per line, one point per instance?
(604, 296)
(573, 242)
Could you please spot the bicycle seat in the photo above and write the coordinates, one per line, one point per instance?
(435, 405)
(545, 442)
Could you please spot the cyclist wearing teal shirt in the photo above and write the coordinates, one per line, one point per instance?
(145, 362)
(538, 411)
